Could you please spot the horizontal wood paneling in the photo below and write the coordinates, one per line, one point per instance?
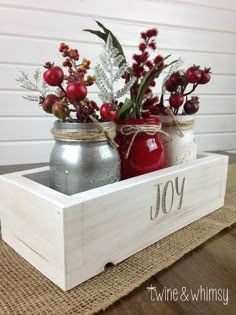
(127, 32)
(25, 152)
(212, 142)
(13, 104)
(25, 128)
(220, 63)
(226, 4)
(213, 123)
(133, 10)
(38, 128)
(201, 32)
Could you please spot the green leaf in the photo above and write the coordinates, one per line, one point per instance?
(106, 30)
(147, 79)
(98, 33)
(125, 108)
(104, 37)
(115, 41)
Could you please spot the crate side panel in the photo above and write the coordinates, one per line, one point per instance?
(119, 224)
(52, 272)
(33, 226)
(73, 235)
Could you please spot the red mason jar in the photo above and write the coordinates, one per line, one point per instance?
(140, 148)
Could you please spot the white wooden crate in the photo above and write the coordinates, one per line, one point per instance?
(71, 238)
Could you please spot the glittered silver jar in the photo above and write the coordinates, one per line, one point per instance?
(83, 157)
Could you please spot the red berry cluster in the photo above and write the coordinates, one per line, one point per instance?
(85, 108)
(76, 72)
(177, 85)
(75, 92)
(143, 63)
(68, 52)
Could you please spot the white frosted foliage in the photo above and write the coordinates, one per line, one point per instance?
(34, 85)
(109, 72)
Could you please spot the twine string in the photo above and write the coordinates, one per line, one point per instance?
(105, 131)
(108, 133)
(169, 111)
(136, 129)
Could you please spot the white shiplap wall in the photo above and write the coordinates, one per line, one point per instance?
(201, 31)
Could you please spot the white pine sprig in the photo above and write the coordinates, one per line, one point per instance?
(33, 85)
(125, 89)
(111, 69)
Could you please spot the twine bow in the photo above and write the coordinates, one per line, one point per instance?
(136, 129)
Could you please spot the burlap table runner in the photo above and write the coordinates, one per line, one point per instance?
(23, 290)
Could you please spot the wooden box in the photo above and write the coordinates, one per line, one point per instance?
(72, 238)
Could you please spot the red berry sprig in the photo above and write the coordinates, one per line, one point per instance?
(144, 63)
(86, 108)
(76, 72)
(177, 85)
(75, 92)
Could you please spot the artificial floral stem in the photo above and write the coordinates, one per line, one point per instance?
(63, 90)
(194, 87)
(184, 88)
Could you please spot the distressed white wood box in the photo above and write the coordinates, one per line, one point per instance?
(71, 238)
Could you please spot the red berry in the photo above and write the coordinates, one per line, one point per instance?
(54, 76)
(76, 91)
(48, 102)
(176, 100)
(206, 77)
(169, 86)
(192, 106)
(59, 110)
(193, 74)
(175, 78)
(142, 47)
(143, 35)
(159, 59)
(108, 111)
(152, 32)
(152, 45)
(137, 58)
(154, 110)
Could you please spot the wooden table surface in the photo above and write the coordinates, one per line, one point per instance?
(210, 266)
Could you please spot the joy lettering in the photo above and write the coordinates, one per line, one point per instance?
(171, 189)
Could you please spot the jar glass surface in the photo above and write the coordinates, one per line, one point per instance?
(146, 152)
(179, 148)
(79, 165)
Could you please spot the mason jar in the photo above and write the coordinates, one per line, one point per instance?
(179, 145)
(82, 157)
(140, 147)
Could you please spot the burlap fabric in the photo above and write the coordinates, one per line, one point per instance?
(23, 290)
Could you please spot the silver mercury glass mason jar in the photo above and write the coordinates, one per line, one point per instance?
(82, 157)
